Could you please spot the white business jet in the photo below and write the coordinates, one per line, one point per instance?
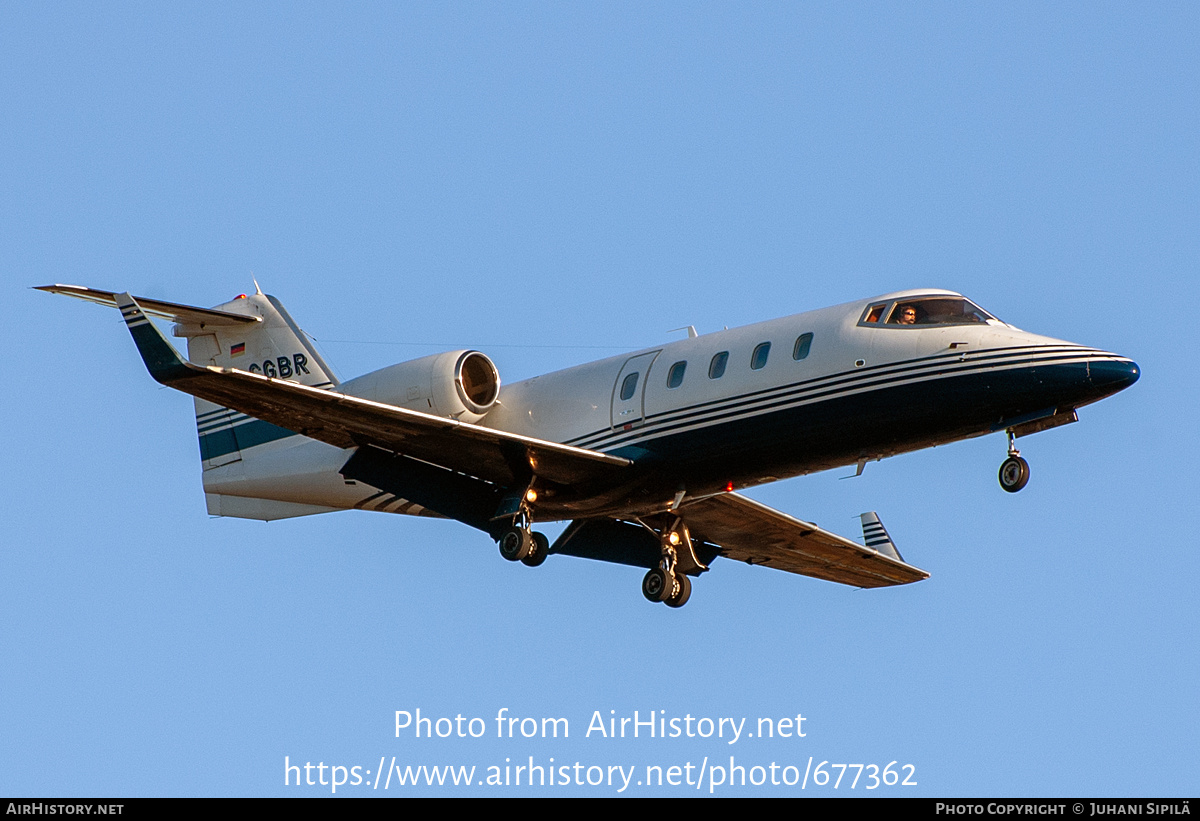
(642, 452)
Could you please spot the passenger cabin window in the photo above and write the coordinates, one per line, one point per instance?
(675, 375)
(803, 343)
(937, 311)
(716, 368)
(759, 358)
(628, 387)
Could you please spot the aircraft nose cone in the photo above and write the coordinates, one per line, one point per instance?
(1114, 375)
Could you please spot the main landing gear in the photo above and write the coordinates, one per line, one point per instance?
(1014, 471)
(670, 588)
(667, 583)
(520, 544)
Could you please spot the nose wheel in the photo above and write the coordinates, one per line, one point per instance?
(1014, 471)
(1014, 474)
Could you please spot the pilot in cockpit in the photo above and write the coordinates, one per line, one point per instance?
(908, 315)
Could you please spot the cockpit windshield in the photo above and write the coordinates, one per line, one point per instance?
(930, 310)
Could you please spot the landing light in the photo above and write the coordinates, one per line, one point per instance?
(531, 495)
(673, 538)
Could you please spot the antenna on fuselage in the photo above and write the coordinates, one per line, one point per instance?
(691, 331)
(862, 464)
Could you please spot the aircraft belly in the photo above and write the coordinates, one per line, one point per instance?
(294, 471)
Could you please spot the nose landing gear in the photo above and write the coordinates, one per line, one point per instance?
(1014, 471)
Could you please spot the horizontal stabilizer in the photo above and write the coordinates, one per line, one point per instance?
(183, 314)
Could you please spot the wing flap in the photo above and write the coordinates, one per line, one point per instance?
(347, 421)
(754, 533)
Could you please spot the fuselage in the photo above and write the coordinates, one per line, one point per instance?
(804, 393)
(744, 406)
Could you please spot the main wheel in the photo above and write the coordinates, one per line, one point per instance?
(683, 591)
(515, 544)
(537, 551)
(1014, 474)
(657, 584)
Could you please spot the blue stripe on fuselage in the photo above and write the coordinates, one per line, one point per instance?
(884, 421)
(926, 370)
(240, 437)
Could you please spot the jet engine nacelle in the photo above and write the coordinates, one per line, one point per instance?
(463, 385)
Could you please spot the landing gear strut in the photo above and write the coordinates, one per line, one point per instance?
(1014, 471)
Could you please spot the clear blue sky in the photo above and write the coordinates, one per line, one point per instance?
(552, 183)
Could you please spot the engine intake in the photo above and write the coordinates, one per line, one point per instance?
(459, 384)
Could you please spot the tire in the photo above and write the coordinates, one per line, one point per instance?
(515, 544)
(682, 594)
(1014, 474)
(538, 551)
(657, 584)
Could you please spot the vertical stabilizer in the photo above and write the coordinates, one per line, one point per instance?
(252, 469)
(274, 346)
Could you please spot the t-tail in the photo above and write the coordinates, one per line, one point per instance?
(273, 346)
(252, 332)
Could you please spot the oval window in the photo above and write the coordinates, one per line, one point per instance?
(759, 358)
(716, 368)
(675, 375)
(628, 387)
(803, 343)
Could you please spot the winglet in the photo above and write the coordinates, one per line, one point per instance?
(161, 358)
(877, 538)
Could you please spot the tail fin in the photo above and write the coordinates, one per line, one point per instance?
(251, 333)
(274, 346)
(270, 488)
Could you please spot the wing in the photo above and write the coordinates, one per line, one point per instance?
(347, 421)
(751, 532)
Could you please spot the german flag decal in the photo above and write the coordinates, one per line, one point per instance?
(238, 349)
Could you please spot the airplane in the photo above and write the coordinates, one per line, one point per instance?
(643, 453)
